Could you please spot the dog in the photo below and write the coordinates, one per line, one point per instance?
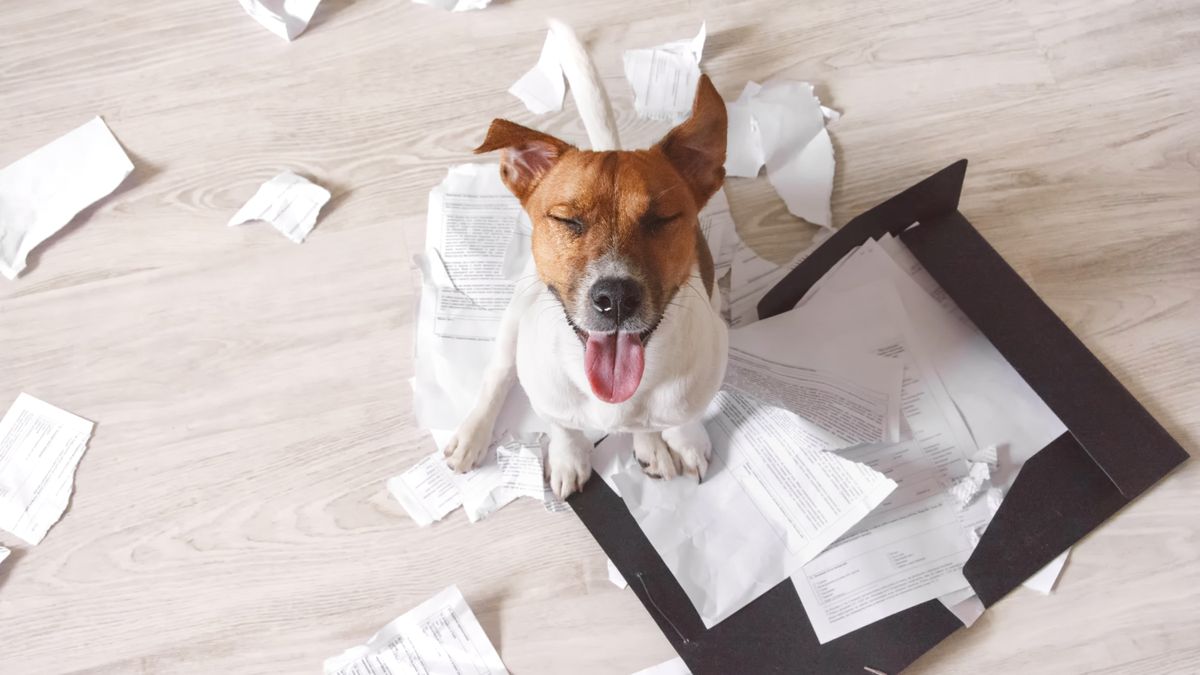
(621, 331)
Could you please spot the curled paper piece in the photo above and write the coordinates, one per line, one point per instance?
(664, 78)
(455, 5)
(966, 488)
(543, 87)
(41, 192)
(781, 124)
(285, 18)
(287, 201)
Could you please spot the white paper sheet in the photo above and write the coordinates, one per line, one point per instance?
(40, 446)
(751, 277)
(675, 666)
(664, 78)
(543, 87)
(455, 5)
(1044, 581)
(615, 577)
(4, 552)
(912, 548)
(851, 399)
(760, 512)
(441, 635)
(289, 202)
(41, 192)
(285, 18)
(744, 155)
(477, 253)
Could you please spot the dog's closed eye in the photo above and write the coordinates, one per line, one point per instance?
(652, 222)
(575, 225)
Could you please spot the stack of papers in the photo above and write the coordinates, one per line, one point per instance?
(40, 446)
(441, 635)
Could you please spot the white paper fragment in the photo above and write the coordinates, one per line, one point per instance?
(285, 18)
(455, 5)
(782, 124)
(966, 488)
(41, 192)
(664, 78)
(428, 491)
(615, 576)
(552, 503)
(716, 224)
(4, 553)
(543, 87)
(40, 446)
(521, 468)
(441, 635)
(1045, 579)
(289, 202)
(965, 605)
(675, 666)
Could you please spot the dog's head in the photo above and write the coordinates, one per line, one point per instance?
(615, 234)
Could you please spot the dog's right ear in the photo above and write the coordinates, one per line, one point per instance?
(525, 155)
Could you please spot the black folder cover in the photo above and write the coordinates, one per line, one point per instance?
(1112, 452)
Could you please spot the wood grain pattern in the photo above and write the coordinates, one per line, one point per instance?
(251, 395)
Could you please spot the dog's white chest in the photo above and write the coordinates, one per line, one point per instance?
(685, 364)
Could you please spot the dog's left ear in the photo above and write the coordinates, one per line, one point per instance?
(696, 148)
(525, 155)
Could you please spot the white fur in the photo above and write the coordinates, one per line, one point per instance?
(684, 361)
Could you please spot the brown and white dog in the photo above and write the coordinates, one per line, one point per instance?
(622, 332)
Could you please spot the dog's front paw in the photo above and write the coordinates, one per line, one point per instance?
(690, 443)
(570, 463)
(655, 456)
(467, 446)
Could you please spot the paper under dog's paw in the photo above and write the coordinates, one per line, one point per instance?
(467, 447)
(570, 466)
(691, 445)
(655, 456)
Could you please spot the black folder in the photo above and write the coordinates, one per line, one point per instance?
(1112, 452)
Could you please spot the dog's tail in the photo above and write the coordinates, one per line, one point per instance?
(586, 89)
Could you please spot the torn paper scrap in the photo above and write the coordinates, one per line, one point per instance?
(664, 78)
(1044, 580)
(543, 87)
(289, 202)
(520, 465)
(964, 605)
(4, 553)
(965, 489)
(782, 124)
(441, 635)
(40, 446)
(455, 5)
(285, 18)
(615, 576)
(428, 491)
(41, 192)
(716, 224)
(675, 666)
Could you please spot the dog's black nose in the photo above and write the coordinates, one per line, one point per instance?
(616, 298)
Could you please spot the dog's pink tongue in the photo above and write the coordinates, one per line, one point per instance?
(614, 363)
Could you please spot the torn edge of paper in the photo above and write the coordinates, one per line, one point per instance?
(42, 448)
(290, 202)
(44, 190)
(285, 18)
(543, 87)
(615, 576)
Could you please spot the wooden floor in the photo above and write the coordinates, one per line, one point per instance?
(252, 395)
